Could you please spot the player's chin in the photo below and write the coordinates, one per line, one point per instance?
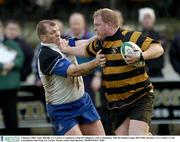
(57, 40)
(99, 37)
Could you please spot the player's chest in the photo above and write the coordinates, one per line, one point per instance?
(111, 49)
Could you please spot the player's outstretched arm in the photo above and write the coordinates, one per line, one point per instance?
(155, 50)
(78, 50)
(82, 69)
(84, 42)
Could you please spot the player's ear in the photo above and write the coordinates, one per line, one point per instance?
(109, 24)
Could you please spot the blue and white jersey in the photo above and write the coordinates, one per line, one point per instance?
(52, 67)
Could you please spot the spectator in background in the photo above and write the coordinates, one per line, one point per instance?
(9, 80)
(13, 32)
(78, 31)
(78, 27)
(147, 19)
(175, 53)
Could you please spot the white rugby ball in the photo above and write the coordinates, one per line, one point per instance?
(130, 48)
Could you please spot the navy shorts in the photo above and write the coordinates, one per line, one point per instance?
(65, 116)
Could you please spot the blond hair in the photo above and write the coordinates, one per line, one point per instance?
(108, 16)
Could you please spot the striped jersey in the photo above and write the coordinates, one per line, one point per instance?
(123, 84)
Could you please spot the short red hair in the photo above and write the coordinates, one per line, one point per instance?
(108, 16)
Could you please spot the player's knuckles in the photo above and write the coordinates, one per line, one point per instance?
(102, 59)
(103, 64)
(101, 56)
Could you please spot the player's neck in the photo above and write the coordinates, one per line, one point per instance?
(112, 31)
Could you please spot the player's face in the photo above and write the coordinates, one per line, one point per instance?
(100, 27)
(53, 34)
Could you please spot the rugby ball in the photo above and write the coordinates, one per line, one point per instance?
(130, 48)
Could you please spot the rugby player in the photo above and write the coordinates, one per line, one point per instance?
(70, 109)
(128, 90)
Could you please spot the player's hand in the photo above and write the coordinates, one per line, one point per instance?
(101, 59)
(63, 45)
(130, 59)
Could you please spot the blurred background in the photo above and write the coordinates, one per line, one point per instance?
(21, 88)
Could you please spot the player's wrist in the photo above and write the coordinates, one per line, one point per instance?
(65, 49)
(144, 54)
(96, 62)
(141, 58)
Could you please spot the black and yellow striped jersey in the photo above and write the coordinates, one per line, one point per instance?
(122, 83)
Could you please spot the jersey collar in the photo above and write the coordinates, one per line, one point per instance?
(117, 35)
(52, 46)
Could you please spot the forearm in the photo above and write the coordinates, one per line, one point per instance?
(85, 42)
(154, 51)
(79, 49)
(75, 51)
(82, 69)
(82, 43)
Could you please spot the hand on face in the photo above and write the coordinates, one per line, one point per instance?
(57, 41)
(63, 45)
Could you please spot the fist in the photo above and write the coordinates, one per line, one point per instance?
(101, 59)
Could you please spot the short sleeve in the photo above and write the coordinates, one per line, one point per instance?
(93, 48)
(144, 42)
(61, 67)
(71, 42)
(47, 59)
(138, 38)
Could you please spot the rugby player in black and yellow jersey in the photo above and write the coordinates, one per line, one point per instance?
(128, 89)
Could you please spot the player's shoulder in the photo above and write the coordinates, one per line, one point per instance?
(46, 53)
(45, 50)
(127, 31)
(47, 58)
